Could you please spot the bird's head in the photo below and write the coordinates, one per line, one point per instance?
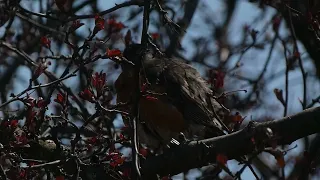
(133, 53)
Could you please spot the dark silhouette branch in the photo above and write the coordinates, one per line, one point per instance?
(189, 9)
(116, 7)
(199, 153)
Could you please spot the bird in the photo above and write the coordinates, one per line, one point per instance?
(174, 98)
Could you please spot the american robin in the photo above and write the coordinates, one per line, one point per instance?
(175, 98)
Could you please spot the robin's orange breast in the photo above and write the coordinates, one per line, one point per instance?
(155, 111)
(161, 115)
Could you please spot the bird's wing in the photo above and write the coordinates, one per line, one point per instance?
(185, 88)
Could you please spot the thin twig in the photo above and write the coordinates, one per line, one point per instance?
(296, 49)
(166, 19)
(2, 173)
(39, 14)
(16, 97)
(116, 7)
(43, 165)
(44, 27)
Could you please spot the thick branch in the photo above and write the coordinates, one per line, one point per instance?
(200, 153)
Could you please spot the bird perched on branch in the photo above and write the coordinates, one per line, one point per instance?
(173, 98)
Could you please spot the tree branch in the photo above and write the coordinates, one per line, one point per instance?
(189, 9)
(199, 153)
(116, 7)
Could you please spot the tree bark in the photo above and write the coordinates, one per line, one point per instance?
(249, 140)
